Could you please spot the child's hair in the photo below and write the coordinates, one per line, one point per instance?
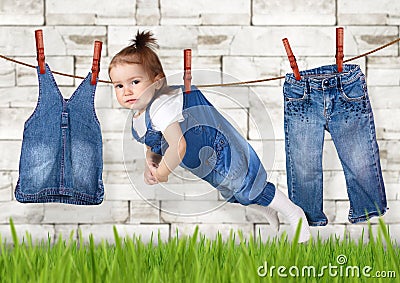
(141, 51)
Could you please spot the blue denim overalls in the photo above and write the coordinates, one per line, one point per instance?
(215, 152)
(61, 156)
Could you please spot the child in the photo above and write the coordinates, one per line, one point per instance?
(186, 130)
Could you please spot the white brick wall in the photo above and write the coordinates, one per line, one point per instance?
(241, 38)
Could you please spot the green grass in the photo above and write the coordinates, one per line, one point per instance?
(199, 259)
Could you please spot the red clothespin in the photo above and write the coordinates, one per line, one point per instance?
(96, 61)
(292, 59)
(40, 50)
(187, 75)
(339, 49)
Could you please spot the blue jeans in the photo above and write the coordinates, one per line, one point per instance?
(325, 100)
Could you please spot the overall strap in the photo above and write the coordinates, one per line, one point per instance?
(49, 93)
(147, 112)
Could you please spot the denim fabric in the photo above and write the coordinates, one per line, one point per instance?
(215, 152)
(325, 100)
(61, 156)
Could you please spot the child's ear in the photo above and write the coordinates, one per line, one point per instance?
(159, 80)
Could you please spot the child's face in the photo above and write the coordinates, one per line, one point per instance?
(133, 86)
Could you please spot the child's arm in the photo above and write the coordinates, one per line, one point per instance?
(173, 155)
(152, 161)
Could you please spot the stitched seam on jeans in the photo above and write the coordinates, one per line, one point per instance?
(344, 95)
(372, 139)
(290, 160)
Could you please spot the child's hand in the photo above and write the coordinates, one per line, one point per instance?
(149, 178)
(159, 178)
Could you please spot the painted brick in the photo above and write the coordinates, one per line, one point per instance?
(12, 122)
(28, 12)
(206, 12)
(202, 212)
(389, 155)
(20, 97)
(392, 215)
(59, 40)
(107, 212)
(127, 192)
(10, 151)
(90, 12)
(394, 231)
(20, 41)
(357, 231)
(83, 66)
(387, 129)
(210, 231)
(28, 76)
(383, 71)
(144, 212)
(294, 13)
(189, 191)
(21, 213)
(249, 68)
(169, 38)
(342, 212)
(248, 40)
(80, 40)
(392, 190)
(384, 97)
(335, 185)
(331, 230)
(216, 40)
(113, 151)
(265, 233)
(368, 12)
(38, 233)
(5, 186)
(146, 232)
(369, 38)
(147, 12)
(205, 70)
(7, 75)
(65, 232)
(113, 120)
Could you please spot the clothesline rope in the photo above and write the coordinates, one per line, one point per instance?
(212, 85)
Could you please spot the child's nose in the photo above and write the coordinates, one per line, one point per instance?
(128, 91)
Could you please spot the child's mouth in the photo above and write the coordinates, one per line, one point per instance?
(131, 101)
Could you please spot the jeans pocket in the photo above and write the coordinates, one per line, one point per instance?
(356, 90)
(222, 155)
(294, 92)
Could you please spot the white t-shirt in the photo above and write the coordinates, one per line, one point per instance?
(165, 110)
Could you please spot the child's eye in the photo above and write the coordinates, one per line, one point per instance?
(118, 86)
(135, 82)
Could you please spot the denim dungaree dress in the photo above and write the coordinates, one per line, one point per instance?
(215, 152)
(61, 157)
